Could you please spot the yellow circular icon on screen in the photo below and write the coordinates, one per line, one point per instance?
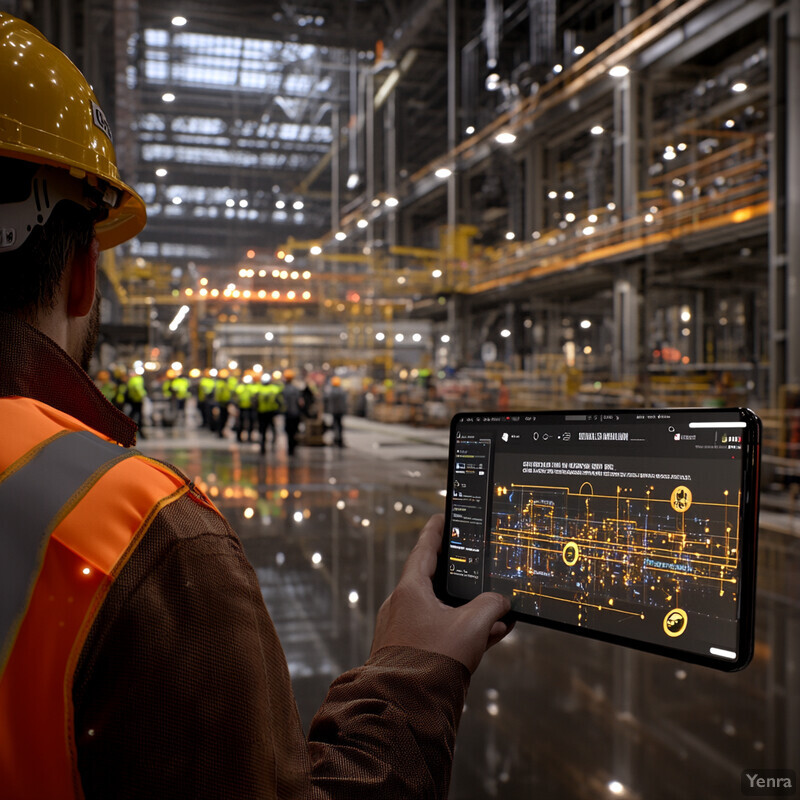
(675, 622)
(681, 498)
(570, 553)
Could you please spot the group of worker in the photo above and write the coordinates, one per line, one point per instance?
(258, 397)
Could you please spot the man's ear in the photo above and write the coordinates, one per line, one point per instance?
(82, 281)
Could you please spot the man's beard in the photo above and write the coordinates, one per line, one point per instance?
(92, 332)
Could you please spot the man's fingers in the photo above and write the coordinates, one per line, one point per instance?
(422, 559)
(499, 631)
(485, 610)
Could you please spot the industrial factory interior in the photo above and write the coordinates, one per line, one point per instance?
(444, 206)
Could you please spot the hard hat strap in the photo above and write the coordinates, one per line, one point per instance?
(49, 186)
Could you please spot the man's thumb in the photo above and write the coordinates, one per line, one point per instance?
(487, 608)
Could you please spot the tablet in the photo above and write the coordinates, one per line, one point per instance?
(636, 526)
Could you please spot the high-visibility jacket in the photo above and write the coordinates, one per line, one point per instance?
(136, 389)
(222, 392)
(205, 388)
(180, 387)
(244, 395)
(270, 398)
(73, 506)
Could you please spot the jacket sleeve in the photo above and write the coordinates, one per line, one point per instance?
(387, 729)
(182, 690)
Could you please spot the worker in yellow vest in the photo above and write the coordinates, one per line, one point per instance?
(205, 397)
(180, 393)
(245, 396)
(270, 403)
(137, 391)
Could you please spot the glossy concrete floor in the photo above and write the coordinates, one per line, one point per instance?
(549, 715)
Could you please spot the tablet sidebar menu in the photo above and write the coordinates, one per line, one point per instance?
(470, 490)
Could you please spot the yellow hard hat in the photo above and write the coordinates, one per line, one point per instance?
(49, 115)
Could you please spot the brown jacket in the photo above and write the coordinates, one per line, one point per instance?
(182, 688)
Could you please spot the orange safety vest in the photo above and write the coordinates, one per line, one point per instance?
(73, 507)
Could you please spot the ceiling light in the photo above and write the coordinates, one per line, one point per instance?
(399, 337)
(729, 123)
(597, 130)
(362, 223)
(592, 218)
(297, 205)
(179, 317)
(505, 333)
(161, 172)
(391, 202)
(375, 202)
(243, 203)
(619, 71)
(669, 155)
(417, 337)
(510, 235)
(306, 275)
(557, 68)
(445, 338)
(230, 202)
(380, 336)
(168, 97)
(682, 146)
(179, 21)
(289, 258)
(340, 236)
(586, 324)
(352, 180)
(505, 137)
(579, 50)
(279, 204)
(552, 195)
(443, 172)
(569, 194)
(470, 130)
(739, 86)
(588, 230)
(176, 201)
(315, 250)
(437, 273)
(306, 295)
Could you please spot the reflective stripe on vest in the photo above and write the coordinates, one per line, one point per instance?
(73, 507)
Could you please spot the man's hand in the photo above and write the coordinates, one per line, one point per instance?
(413, 616)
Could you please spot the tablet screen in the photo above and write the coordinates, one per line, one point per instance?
(635, 525)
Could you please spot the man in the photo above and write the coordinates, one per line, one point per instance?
(293, 410)
(245, 394)
(269, 403)
(136, 656)
(336, 406)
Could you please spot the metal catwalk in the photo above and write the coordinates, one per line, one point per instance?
(548, 715)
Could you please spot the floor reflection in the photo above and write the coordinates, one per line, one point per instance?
(549, 715)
